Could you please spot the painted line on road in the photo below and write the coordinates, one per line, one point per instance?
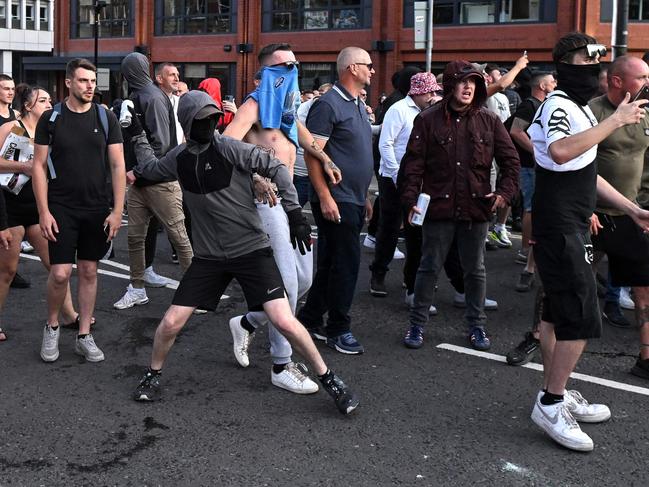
(575, 375)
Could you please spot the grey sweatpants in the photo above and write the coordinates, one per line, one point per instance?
(296, 271)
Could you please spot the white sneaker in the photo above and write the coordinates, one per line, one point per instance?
(410, 299)
(626, 301)
(241, 340)
(50, 345)
(151, 279)
(582, 411)
(369, 242)
(87, 348)
(294, 379)
(459, 301)
(199, 311)
(503, 237)
(557, 422)
(26, 247)
(132, 297)
(398, 255)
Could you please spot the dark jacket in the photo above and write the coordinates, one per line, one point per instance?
(449, 157)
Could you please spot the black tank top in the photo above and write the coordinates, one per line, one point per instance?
(26, 195)
(11, 117)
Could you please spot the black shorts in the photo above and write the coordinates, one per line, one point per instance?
(205, 281)
(627, 248)
(564, 262)
(22, 215)
(81, 235)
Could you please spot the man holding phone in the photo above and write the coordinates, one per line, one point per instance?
(620, 160)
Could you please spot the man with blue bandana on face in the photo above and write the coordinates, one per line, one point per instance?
(268, 119)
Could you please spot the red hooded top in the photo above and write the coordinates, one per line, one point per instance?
(212, 87)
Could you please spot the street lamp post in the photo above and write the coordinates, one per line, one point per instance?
(97, 5)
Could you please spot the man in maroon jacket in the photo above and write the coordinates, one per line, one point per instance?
(449, 156)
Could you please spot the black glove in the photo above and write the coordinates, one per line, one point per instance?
(300, 230)
(135, 128)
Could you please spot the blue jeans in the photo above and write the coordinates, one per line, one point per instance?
(339, 257)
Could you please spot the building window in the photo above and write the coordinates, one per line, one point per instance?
(486, 12)
(29, 16)
(194, 73)
(114, 20)
(282, 15)
(3, 14)
(313, 75)
(44, 16)
(176, 17)
(638, 10)
(15, 15)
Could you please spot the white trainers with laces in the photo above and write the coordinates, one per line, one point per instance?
(241, 340)
(26, 247)
(560, 425)
(50, 345)
(459, 301)
(151, 279)
(369, 242)
(294, 379)
(398, 255)
(132, 297)
(86, 347)
(626, 301)
(410, 299)
(583, 411)
(503, 237)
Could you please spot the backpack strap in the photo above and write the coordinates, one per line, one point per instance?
(103, 119)
(56, 111)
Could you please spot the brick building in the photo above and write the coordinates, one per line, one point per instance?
(220, 38)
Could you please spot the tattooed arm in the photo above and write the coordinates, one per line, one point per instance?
(311, 147)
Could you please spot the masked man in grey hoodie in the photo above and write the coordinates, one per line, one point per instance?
(162, 198)
(215, 173)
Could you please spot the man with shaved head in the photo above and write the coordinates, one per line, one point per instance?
(339, 122)
(620, 160)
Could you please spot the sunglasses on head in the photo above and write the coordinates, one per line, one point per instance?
(288, 64)
(369, 65)
(592, 50)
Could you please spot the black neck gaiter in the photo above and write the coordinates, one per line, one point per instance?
(579, 81)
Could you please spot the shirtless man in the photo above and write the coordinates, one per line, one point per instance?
(268, 119)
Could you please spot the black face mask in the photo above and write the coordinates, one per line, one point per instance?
(202, 130)
(579, 81)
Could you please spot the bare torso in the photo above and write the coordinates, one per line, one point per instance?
(275, 140)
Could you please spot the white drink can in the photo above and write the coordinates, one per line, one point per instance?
(422, 204)
(124, 114)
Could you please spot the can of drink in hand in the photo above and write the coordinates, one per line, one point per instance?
(422, 204)
(125, 117)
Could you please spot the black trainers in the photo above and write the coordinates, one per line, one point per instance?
(524, 351)
(613, 314)
(525, 282)
(641, 368)
(377, 285)
(346, 401)
(19, 282)
(149, 388)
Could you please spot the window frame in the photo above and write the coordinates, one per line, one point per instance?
(104, 24)
(182, 19)
(302, 12)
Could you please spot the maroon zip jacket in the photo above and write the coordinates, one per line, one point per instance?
(449, 157)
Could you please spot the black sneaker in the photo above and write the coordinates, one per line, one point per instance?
(346, 401)
(525, 282)
(20, 282)
(377, 285)
(524, 351)
(613, 314)
(149, 388)
(641, 368)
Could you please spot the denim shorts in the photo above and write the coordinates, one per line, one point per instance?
(528, 179)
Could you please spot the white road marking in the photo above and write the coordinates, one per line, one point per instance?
(575, 375)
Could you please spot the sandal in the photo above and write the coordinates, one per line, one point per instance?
(75, 324)
(3, 335)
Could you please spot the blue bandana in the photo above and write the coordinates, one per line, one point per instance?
(278, 97)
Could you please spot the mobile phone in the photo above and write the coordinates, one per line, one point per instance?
(525, 53)
(643, 94)
(228, 98)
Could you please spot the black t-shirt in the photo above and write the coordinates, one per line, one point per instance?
(79, 156)
(526, 111)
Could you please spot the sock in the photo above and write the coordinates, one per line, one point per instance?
(278, 368)
(499, 227)
(326, 376)
(549, 399)
(154, 372)
(245, 324)
(53, 327)
(82, 336)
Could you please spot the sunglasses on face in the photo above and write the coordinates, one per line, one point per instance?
(363, 95)
(592, 50)
(288, 64)
(369, 65)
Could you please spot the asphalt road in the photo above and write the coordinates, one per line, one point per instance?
(428, 417)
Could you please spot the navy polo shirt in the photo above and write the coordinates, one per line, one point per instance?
(343, 120)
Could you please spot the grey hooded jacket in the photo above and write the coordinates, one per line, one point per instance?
(154, 104)
(217, 185)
